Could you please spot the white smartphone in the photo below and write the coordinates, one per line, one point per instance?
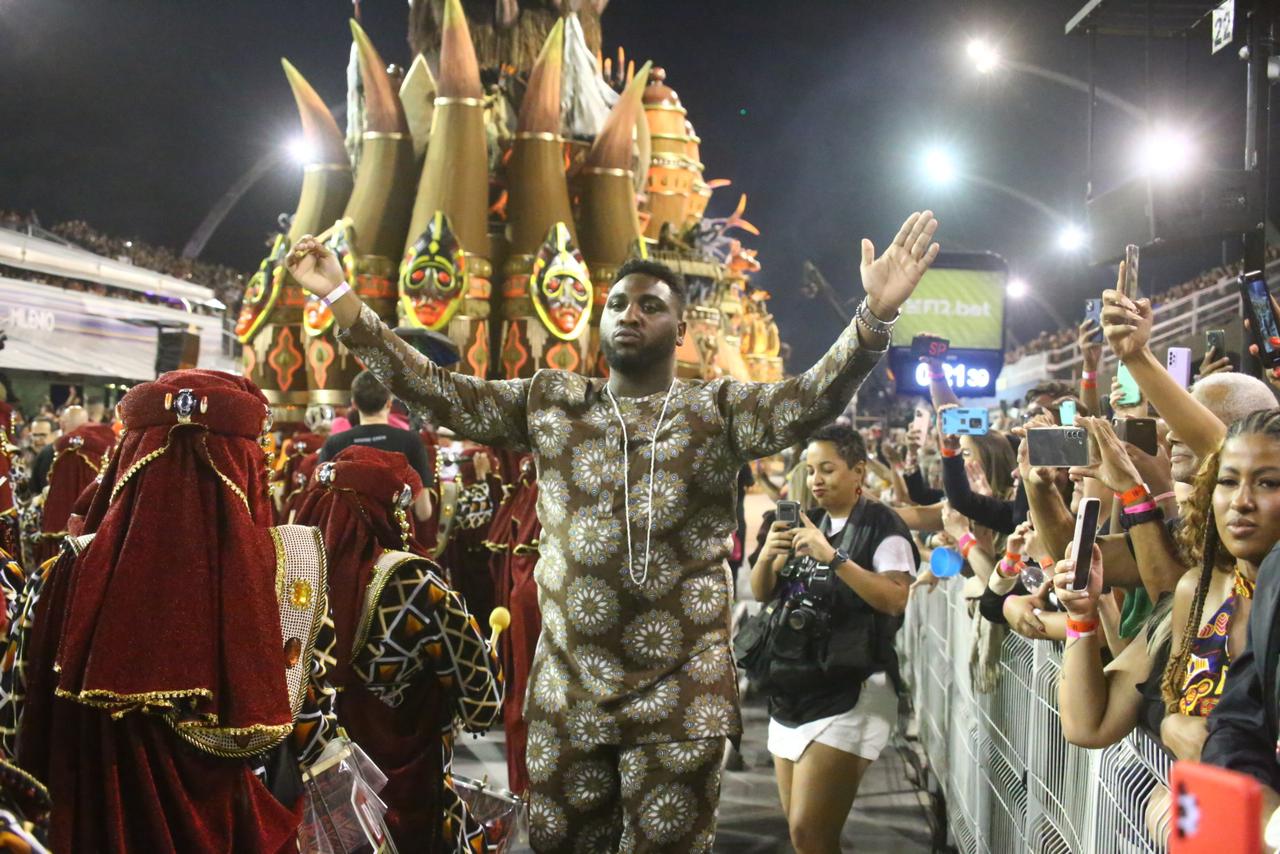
(1082, 542)
(1178, 360)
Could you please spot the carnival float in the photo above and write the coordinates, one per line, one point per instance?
(488, 193)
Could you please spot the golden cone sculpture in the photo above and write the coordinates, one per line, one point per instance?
(270, 322)
(546, 292)
(669, 188)
(609, 225)
(444, 271)
(377, 216)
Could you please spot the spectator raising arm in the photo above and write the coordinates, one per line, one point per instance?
(1127, 326)
(1159, 565)
(1091, 354)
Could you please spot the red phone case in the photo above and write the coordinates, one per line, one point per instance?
(1214, 811)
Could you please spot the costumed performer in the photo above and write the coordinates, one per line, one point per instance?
(164, 680)
(388, 599)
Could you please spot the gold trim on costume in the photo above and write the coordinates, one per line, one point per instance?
(537, 134)
(443, 101)
(204, 440)
(387, 563)
(607, 170)
(385, 134)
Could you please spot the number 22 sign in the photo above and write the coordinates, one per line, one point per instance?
(1224, 25)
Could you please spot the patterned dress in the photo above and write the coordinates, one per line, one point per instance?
(627, 656)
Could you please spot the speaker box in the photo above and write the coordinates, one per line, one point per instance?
(176, 350)
(1161, 215)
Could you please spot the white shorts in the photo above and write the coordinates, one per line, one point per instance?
(863, 731)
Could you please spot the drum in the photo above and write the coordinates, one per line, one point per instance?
(502, 813)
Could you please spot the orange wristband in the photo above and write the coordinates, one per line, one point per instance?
(1081, 625)
(950, 452)
(1136, 495)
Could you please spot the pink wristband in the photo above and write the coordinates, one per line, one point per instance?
(1144, 507)
(1072, 634)
(1089, 375)
(1164, 496)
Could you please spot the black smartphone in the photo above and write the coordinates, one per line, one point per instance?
(789, 513)
(1093, 311)
(1264, 326)
(1129, 287)
(929, 347)
(1082, 542)
(1059, 447)
(1139, 432)
(1216, 340)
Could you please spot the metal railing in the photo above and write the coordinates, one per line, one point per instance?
(1009, 781)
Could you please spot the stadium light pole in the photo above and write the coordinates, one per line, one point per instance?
(987, 59)
(940, 169)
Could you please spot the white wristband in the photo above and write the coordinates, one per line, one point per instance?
(338, 293)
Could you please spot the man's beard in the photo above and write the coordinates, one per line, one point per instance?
(637, 361)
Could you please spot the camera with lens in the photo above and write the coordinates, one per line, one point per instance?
(809, 612)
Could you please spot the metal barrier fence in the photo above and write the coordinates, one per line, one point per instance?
(1009, 781)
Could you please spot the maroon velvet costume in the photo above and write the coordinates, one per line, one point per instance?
(167, 619)
(355, 513)
(77, 459)
(513, 541)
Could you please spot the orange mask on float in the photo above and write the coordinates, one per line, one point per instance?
(560, 285)
(433, 277)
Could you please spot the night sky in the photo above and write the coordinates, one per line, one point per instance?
(137, 115)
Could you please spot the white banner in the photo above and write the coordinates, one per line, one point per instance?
(56, 331)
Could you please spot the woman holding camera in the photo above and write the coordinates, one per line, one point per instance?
(837, 582)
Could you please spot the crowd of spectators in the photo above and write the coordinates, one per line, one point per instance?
(227, 284)
(1048, 341)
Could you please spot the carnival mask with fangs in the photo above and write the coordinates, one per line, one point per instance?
(560, 285)
(263, 290)
(433, 276)
(316, 316)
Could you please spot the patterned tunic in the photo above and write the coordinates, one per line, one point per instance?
(621, 662)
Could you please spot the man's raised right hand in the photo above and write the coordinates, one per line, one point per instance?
(315, 267)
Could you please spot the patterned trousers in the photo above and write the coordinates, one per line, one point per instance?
(605, 799)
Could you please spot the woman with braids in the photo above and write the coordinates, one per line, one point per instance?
(1232, 522)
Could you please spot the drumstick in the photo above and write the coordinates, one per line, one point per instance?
(499, 619)
(326, 234)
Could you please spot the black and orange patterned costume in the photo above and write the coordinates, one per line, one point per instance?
(410, 659)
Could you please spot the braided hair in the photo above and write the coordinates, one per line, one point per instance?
(1199, 543)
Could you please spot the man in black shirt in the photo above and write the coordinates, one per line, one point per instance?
(374, 404)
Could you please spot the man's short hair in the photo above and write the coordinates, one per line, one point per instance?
(368, 394)
(850, 446)
(1232, 396)
(657, 270)
(47, 421)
